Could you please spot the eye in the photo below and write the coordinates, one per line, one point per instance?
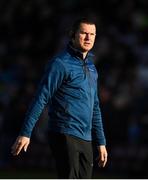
(83, 32)
(91, 34)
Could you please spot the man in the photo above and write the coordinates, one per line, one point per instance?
(69, 87)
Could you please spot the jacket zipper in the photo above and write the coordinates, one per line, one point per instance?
(87, 74)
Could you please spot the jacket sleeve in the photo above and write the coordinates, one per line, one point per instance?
(48, 85)
(97, 124)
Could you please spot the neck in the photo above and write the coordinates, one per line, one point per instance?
(84, 55)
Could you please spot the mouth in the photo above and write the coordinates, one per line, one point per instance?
(87, 43)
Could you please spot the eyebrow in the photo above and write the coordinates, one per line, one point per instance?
(84, 32)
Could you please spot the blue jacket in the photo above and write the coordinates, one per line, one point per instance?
(69, 88)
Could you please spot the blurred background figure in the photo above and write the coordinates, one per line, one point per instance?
(29, 32)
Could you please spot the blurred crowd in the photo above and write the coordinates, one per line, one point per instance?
(31, 32)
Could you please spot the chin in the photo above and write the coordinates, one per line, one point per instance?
(87, 49)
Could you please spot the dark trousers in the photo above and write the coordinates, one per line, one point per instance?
(73, 156)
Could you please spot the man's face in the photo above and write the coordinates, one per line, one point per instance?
(85, 37)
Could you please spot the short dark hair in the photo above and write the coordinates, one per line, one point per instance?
(76, 25)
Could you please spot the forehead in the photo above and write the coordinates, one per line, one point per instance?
(87, 27)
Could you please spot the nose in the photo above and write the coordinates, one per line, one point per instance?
(87, 36)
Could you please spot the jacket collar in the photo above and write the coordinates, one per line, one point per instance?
(75, 52)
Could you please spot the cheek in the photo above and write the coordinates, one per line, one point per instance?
(93, 39)
(81, 38)
(93, 42)
(81, 41)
